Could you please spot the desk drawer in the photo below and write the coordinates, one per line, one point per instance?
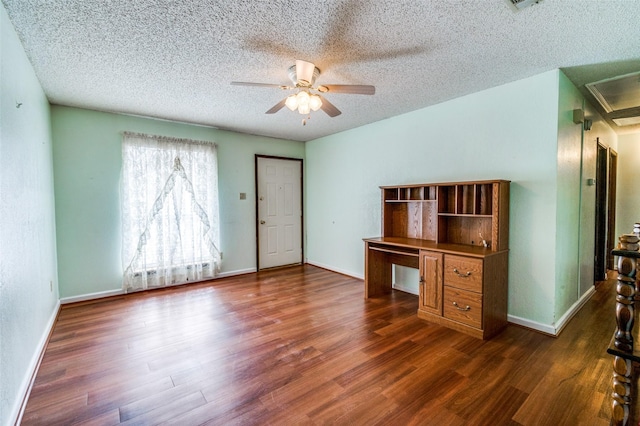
(463, 306)
(463, 273)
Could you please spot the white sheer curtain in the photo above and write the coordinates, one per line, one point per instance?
(170, 219)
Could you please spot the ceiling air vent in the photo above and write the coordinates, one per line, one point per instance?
(521, 4)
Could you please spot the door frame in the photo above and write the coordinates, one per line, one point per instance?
(601, 209)
(612, 182)
(273, 157)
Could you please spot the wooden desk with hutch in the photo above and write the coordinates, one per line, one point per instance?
(457, 236)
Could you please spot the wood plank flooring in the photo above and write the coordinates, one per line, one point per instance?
(301, 346)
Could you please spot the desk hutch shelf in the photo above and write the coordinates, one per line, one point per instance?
(457, 235)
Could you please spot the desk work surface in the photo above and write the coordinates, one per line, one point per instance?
(417, 244)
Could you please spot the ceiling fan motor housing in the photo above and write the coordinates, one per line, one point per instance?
(303, 74)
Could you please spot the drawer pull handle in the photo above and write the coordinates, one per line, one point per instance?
(460, 274)
(466, 308)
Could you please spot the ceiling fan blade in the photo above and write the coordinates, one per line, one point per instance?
(277, 107)
(244, 83)
(304, 71)
(354, 89)
(329, 108)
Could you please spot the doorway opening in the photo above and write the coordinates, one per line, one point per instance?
(606, 170)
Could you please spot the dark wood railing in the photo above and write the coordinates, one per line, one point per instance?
(622, 343)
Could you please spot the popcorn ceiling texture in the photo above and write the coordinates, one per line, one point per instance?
(175, 59)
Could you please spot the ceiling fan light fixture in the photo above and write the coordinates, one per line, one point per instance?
(304, 109)
(303, 102)
(303, 97)
(292, 102)
(315, 102)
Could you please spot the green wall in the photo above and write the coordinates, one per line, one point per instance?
(28, 277)
(87, 163)
(567, 236)
(508, 132)
(575, 217)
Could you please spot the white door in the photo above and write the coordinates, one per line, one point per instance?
(279, 210)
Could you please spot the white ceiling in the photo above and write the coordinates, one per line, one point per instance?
(174, 60)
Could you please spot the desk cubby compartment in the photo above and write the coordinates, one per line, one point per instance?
(465, 199)
(390, 194)
(431, 193)
(410, 220)
(415, 193)
(411, 193)
(483, 199)
(447, 199)
(468, 230)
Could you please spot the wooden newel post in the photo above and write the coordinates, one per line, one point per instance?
(623, 339)
(625, 294)
(621, 395)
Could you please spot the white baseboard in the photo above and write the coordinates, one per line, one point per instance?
(90, 296)
(27, 382)
(236, 272)
(534, 325)
(334, 269)
(109, 293)
(564, 319)
(554, 329)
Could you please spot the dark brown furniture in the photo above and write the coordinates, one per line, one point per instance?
(457, 235)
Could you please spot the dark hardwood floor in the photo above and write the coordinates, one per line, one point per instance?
(302, 346)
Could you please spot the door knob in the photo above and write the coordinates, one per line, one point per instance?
(262, 222)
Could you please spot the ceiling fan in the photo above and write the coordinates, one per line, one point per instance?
(303, 75)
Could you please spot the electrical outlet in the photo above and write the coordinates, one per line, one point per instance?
(221, 253)
(50, 285)
(243, 195)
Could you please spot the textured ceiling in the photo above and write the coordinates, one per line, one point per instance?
(174, 60)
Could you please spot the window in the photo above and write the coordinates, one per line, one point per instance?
(170, 219)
